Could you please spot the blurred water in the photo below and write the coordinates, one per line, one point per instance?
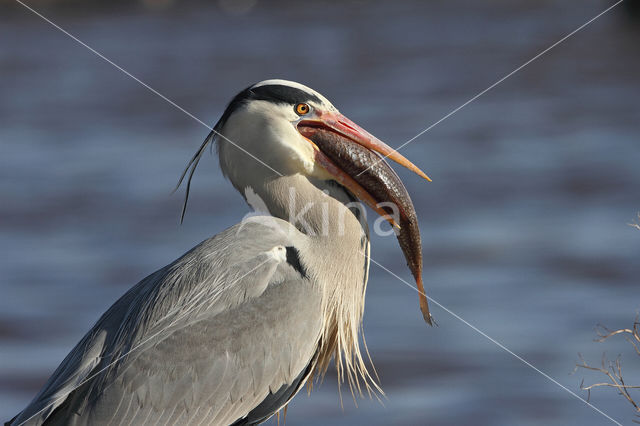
(524, 227)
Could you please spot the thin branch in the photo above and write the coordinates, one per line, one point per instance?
(595, 385)
(613, 369)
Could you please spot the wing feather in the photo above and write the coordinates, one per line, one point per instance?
(204, 339)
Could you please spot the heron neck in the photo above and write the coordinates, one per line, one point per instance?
(323, 210)
(336, 254)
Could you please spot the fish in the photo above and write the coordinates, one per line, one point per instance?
(372, 172)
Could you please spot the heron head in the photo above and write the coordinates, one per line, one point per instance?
(269, 129)
(259, 129)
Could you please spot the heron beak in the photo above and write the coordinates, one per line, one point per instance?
(343, 126)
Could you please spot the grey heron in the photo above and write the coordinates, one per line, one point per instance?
(229, 332)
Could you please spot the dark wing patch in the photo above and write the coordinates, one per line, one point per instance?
(275, 401)
(293, 259)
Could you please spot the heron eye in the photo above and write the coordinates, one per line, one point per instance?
(302, 109)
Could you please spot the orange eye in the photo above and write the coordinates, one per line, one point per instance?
(302, 109)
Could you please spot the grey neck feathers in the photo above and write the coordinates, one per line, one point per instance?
(336, 257)
(320, 209)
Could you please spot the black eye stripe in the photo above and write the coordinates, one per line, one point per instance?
(283, 94)
(276, 93)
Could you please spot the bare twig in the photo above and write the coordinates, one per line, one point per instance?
(613, 369)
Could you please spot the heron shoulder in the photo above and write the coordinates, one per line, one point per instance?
(208, 285)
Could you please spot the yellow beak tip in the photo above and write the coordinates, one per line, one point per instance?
(424, 176)
(420, 173)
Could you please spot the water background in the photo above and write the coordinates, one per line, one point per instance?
(524, 226)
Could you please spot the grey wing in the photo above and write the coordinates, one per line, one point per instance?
(225, 334)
